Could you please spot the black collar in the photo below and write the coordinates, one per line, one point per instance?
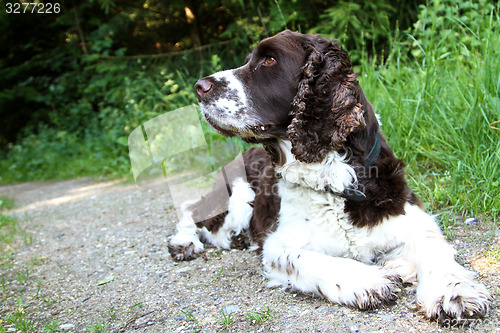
(374, 153)
(355, 194)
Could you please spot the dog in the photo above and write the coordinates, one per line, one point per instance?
(324, 199)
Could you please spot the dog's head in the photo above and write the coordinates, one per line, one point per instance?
(293, 86)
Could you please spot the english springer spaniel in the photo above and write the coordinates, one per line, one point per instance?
(328, 205)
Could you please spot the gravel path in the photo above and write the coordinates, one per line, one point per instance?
(95, 258)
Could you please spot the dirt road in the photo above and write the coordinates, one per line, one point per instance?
(94, 258)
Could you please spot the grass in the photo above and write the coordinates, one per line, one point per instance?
(100, 326)
(136, 306)
(111, 312)
(494, 252)
(17, 284)
(18, 319)
(219, 274)
(437, 108)
(8, 225)
(437, 92)
(260, 317)
(192, 319)
(23, 275)
(6, 203)
(52, 326)
(227, 319)
(14, 316)
(8, 229)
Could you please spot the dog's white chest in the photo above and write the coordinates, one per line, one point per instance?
(316, 220)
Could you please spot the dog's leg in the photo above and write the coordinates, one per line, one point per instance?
(340, 280)
(186, 244)
(237, 219)
(219, 230)
(445, 289)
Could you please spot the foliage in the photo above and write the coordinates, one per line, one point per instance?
(437, 104)
(366, 25)
(81, 81)
(443, 25)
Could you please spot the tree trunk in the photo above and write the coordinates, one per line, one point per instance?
(191, 9)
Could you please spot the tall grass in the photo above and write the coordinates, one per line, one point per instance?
(438, 95)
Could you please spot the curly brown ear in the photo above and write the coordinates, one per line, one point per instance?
(326, 108)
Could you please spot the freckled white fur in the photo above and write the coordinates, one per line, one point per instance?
(236, 221)
(333, 171)
(233, 111)
(187, 232)
(234, 83)
(238, 217)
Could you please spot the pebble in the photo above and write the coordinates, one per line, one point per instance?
(495, 233)
(184, 269)
(66, 327)
(232, 308)
(471, 221)
(323, 309)
(387, 317)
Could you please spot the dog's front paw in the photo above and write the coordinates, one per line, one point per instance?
(455, 300)
(385, 292)
(185, 250)
(371, 290)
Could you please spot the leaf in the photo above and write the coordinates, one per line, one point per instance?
(106, 280)
(122, 140)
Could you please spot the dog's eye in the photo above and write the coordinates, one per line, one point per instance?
(269, 60)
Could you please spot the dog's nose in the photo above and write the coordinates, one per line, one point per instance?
(203, 87)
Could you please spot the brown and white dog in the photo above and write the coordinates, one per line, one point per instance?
(329, 208)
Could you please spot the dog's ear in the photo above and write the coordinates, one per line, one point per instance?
(326, 108)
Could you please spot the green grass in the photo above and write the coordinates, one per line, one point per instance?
(100, 326)
(192, 319)
(18, 284)
(227, 319)
(436, 107)
(260, 317)
(52, 326)
(6, 203)
(494, 252)
(8, 229)
(14, 316)
(18, 319)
